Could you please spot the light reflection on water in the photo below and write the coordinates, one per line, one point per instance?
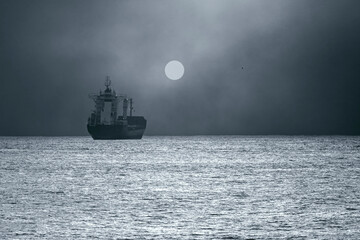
(199, 187)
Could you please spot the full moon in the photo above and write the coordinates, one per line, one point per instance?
(174, 70)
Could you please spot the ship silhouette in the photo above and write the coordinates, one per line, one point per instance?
(117, 127)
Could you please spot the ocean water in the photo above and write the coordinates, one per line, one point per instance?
(198, 187)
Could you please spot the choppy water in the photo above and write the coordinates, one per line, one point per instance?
(201, 187)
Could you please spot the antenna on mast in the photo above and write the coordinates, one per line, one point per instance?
(107, 82)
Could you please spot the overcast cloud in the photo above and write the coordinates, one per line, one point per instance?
(251, 67)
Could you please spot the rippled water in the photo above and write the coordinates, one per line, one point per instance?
(200, 187)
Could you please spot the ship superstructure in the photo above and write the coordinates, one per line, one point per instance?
(114, 126)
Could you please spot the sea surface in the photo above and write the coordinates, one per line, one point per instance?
(198, 187)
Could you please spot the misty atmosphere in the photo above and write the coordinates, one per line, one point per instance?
(248, 113)
(251, 67)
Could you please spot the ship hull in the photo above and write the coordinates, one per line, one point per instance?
(133, 130)
(114, 132)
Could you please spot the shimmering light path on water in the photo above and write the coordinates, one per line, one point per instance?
(200, 187)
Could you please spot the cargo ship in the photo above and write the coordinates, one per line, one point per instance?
(107, 124)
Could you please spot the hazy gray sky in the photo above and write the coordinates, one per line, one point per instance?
(301, 64)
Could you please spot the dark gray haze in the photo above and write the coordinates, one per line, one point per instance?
(251, 67)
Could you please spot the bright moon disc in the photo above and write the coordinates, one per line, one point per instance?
(174, 70)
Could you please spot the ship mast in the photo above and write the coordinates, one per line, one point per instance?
(107, 82)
